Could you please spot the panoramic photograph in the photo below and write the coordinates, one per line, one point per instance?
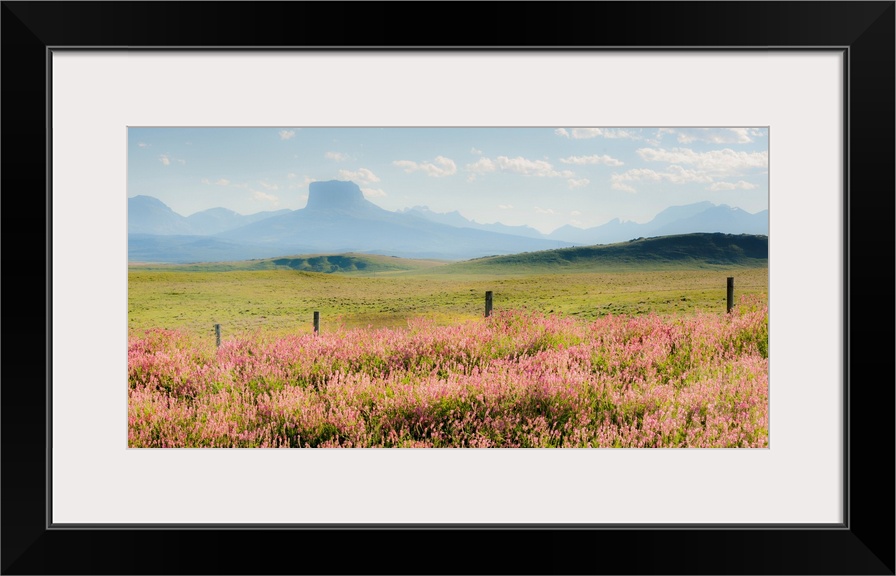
(531, 287)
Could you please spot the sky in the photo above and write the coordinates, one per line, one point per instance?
(544, 177)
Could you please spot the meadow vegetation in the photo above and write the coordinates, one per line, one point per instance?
(620, 356)
(514, 379)
(283, 301)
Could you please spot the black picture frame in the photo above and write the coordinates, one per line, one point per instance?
(864, 544)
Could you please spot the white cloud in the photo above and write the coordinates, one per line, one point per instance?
(636, 174)
(526, 167)
(685, 137)
(675, 175)
(292, 176)
(446, 167)
(373, 192)
(713, 135)
(264, 197)
(739, 185)
(222, 182)
(167, 159)
(586, 133)
(363, 175)
(505, 206)
(742, 135)
(481, 166)
(575, 213)
(581, 182)
(662, 132)
(337, 156)
(594, 159)
(475, 150)
(679, 175)
(544, 210)
(439, 167)
(143, 145)
(518, 165)
(686, 166)
(724, 162)
(286, 134)
(617, 185)
(267, 185)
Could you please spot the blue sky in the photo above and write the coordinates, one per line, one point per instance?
(542, 177)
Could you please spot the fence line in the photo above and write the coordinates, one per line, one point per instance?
(489, 303)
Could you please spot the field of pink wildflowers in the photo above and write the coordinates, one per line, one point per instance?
(515, 379)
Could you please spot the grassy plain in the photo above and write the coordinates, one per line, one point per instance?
(282, 301)
(655, 361)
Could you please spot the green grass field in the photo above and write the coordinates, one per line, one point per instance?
(283, 300)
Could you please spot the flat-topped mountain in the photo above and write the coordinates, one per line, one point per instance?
(337, 195)
(338, 218)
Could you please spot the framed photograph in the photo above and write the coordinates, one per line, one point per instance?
(448, 287)
(806, 87)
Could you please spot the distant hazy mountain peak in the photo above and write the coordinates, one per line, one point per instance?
(145, 200)
(417, 208)
(149, 215)
(428, 210)
(219, 210)
(339, 219)
(453, 218)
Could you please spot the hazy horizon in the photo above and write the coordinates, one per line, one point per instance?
(545, 178)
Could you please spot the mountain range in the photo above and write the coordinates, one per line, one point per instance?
(699, 217)
(148, 215)
(337, 218)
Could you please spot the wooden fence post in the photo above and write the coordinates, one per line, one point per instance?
(316, 322)
(730, 294)
(488, 303)
(217, 335)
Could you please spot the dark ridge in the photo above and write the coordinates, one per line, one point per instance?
(706, 248)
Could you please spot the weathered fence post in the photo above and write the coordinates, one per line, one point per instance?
(730, 294)
(488, 303)
(217, 335)
(316, 322)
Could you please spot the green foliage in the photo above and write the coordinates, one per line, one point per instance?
(279, 302)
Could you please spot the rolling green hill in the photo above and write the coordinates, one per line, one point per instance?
(686, 251)
(691, 251)
(325, 263)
